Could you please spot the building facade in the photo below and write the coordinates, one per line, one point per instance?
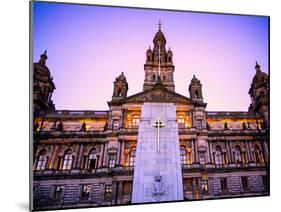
(86, 158)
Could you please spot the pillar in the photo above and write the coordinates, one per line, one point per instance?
(104, 164)
(250, 155)
(193, 151)
(101, 156)
(54, 155)
(196, 151)
(80, 157)
(119, 193)
(114, 192)
(76, 157)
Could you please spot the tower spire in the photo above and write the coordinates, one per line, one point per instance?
(159, 24)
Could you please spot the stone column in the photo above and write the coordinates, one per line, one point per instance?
(101, 156)
(119, 152)
(80, 156)
(194, 187)
(211, 152)
(193, 151)
(265, 148)
(208, 153)
(196, 152)
(122, 152)
(230, 156)
(102, 188)
(55, 152)
(250, 155)
(210, 180)
(104, 164)
(76, 157)
(119, 193)
(114, 192)
(199, 187)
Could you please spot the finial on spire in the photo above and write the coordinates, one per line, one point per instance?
(257, 67)
(159, 24)
(43, 57)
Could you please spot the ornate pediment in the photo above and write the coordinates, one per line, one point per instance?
(157, 94)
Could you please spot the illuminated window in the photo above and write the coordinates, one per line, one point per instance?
(108, 192)
(115, 124)
(58, 192)
(92, 160)
(199, 123)
(188, 184)
(127, 188)
(67, 160)
(135, 121)
(132, 157)
(85, 192)
(202, 158)
(42, 160)
(237, 155)
(205, 188)
(218, 156)
(111, 161)
(181, 122)
(183, 155)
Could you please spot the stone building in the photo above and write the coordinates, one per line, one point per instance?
(86, 158)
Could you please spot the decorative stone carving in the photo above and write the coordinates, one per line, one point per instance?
(158, 190)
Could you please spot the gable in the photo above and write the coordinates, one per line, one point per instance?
(157, 94)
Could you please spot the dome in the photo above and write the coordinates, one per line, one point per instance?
(260, 76)
(122, 77)
(159, 36)
(194, 80)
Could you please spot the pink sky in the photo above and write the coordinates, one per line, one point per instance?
(88, 46)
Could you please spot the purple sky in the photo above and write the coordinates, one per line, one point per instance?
(88, 46)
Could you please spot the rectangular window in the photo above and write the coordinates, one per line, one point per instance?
(199, 123)
(205, 187)
(115, 124)
(127, 188)
(188, 184)
(108, 192)
(85, 192)
(202, 158)
(245, 183)
(58, 192)
(111, 161)
(224, 187)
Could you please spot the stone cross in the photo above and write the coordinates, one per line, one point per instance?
(158, 124)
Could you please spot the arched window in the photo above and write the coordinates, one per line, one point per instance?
(92, 159)
(153, 77)
(135, 121)
(237, 154)
(67, 160)
(257, 155)
(196, 94)
(119, 92)
(183, 155)
(132, 156)
(181, 122)
(42, 160)
(218, 156)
